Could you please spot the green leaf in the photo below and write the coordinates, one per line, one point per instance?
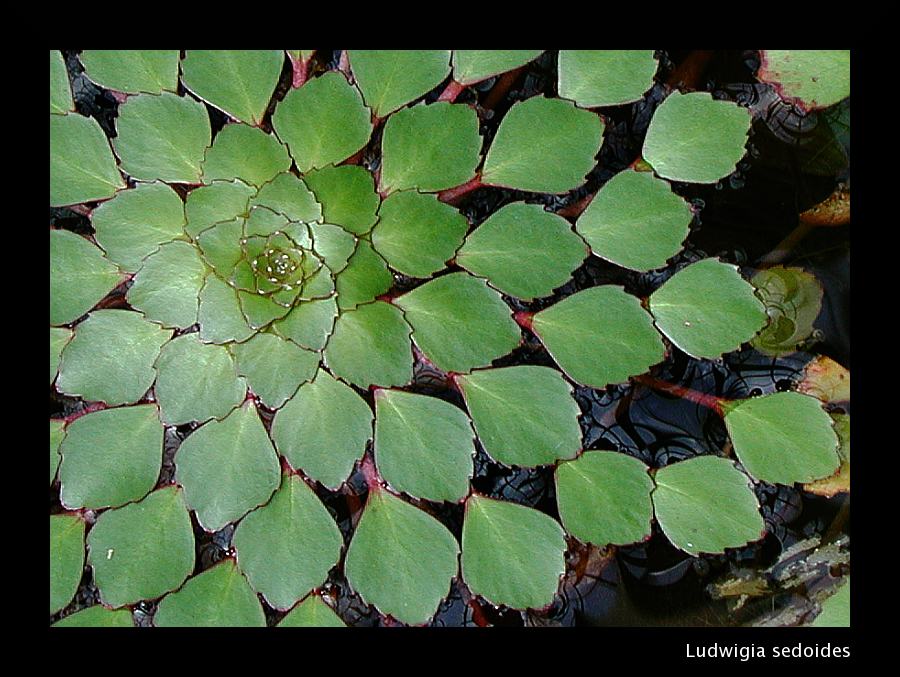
(523, 251)
(110, 358)
(390, 79)
(334, 244)
(511, 554)
(219, 315)
(227, 468)
(459, 322)
(323, 122)
(196, 381)
(220, 246)
(598, 77)
(347, 195)
(783, 438)
(707, 309)
(166, 287)
(350, 354)
(793, 300)
(600, 336)
(219, 201)
(288, 195)
(66, 559)
(287, 547)
(835, 609)
(323, 429)
(111, 457)
(636, 221)
(697, 139)
(142, 550)
(97, 616)
(524, 416)
(247, 153)
(705, 505)
(132, 70)
(423, 446)
(274, 367)
(82, 165)
(474, 65)
(59, 338)
(219, 597)
(260, 311)
(604, 498)
(309, 324)
(839, 482)
(401, 559)
(417, 234)
(543, 145)
(57, 433)
(239, 82)
(311, 613)
(135, 222)
(60, 89)
(80, 276)
(817, 78)
(430, 147)
(162, 137)
(365, 277)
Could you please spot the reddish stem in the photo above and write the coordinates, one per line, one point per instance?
(88, 409)
(524, 319)
(454, 195)
(82, 209)
(574, 210)
(354, 159)
(690, 71)
(499, 90)
(300, 71)
(703, 399)
(367, 468)
(451, 91)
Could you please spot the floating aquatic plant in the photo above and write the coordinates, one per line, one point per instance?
(279, 295)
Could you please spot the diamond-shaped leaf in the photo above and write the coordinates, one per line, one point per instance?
(217, 598)
(543, 145)
(390, 79)
(290, 196)
(423, 446)
(365, 277)
(417, 234)
(511, 554)
(347, 195)
(237, 81)
(524, 415)
(459, 322)
(401, 559)
(600, 336)
(142, 550)
(274, 367)
(287, 546)
(323, 429)
(247, 153)
(219, 201)
(219, 314)
(111, 457)
(82, 165)
(227, 468)
(523, 251)
(110, 358)
(312, 612)
(79, 276)
(705, 505)
(166, 287)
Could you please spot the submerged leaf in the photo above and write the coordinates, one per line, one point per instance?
(826, 380)
(543, 145)
(142, 550)
(237, 81)
(217, 598)
(705, 505)
(401, 559)
(793, 300)
(227, 468)
(695, 138)
(511, 554)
